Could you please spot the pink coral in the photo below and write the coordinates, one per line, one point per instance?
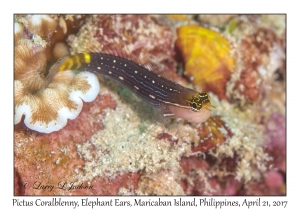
(254, 49)
(197, 180)
(265, 187)
(274, 179)
(276, 130)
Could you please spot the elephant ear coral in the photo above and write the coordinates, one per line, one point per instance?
(46, 107)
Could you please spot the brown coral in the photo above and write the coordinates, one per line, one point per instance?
(46, 106)
(212, 133)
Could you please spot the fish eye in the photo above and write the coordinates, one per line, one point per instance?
(193, 106)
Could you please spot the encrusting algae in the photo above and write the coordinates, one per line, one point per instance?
(121, 146)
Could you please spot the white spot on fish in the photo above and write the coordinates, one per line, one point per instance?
(153, 81)
(121, 78)
(110, 72)
(101, 58)
(125, 64)
(114, 61)
(152, 96)
(98, 67)
(135, 72)
(136, 87)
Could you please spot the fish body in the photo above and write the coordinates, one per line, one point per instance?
(172, 99)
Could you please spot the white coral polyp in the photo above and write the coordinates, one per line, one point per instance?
(64, 113)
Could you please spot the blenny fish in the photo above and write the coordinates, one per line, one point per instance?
(172, 99)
